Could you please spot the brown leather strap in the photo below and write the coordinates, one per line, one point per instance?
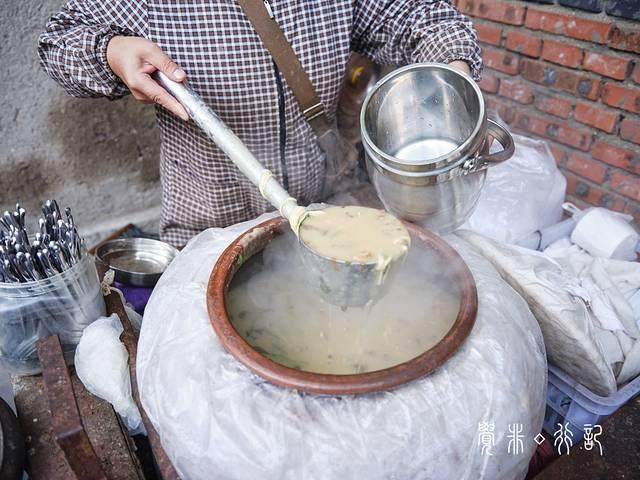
(261, 16)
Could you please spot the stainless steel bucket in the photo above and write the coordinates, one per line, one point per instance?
(424, 130)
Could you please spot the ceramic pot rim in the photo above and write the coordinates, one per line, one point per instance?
(253, 241)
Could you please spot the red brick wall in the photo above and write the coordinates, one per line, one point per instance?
(572, 76)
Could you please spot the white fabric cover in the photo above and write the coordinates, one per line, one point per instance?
(559, 302)
(612, 286)
(217, 419)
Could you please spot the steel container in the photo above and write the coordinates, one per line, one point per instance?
(424, 130)
(136, 261)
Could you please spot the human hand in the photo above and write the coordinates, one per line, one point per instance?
(461, 65)
(133, 59)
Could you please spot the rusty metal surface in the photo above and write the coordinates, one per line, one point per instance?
(620, 440)
(66, 424)
(45, 459)
(128, 337)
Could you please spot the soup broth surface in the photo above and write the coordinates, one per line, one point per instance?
(273, 309)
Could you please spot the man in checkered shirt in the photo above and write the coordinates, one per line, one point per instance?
(97, 48)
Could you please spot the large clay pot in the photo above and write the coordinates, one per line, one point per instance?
(254, 241)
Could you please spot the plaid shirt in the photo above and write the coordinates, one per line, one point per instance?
(214, 42)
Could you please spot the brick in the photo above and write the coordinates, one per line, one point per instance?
(633, 210)
(606, 65)
(635, 76)
(576, 83)
(524, 43)
(594, 6)
(568, 25)
(504, 110)
(628, 9)
(489, 83)
(596, 117)
(488, 34)
(577, 138)
(619, 96)
(516, 90)
(627, 40)
(616, 156)
(559, 153)
(503, 12)
(561, 53)
(586, 167)
(608, 200)
(583, 190)
(630, 130)
(558, 106)
(501, 61)
(583, 193)
(626, 184)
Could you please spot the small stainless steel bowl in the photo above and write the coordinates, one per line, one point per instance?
(136, 261)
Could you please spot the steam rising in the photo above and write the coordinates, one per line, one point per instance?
(275, 310)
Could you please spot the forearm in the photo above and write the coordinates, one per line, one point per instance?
(409, 31)
(73, 49)
(446, 38)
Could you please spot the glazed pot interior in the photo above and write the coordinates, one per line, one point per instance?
(238, 254)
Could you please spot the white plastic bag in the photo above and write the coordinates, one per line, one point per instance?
(102, 364)
(521, 195)
(216, 418)
(559, 303)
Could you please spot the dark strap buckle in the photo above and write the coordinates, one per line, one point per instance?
(313, 111)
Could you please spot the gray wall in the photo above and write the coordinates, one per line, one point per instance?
(96, 156)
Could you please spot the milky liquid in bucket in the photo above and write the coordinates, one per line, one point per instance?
(424, 150)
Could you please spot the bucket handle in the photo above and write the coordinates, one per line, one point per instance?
(504, 138)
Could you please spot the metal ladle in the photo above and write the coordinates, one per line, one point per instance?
(340, 283)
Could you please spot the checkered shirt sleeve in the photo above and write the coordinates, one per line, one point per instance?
(410, 31)
(73, 48)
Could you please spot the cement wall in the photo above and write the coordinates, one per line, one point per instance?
(96, 156)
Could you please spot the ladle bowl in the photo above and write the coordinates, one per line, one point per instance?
(347, 284)
(255, 240)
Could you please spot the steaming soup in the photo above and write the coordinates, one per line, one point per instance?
(274, 310)
(355, 234)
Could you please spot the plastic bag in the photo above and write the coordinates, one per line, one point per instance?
(62, 305)
(559, 303)
(102, 364)
(214, 416)
(520, 196)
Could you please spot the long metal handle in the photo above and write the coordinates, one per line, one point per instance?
(203, 116)
(504, 138)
